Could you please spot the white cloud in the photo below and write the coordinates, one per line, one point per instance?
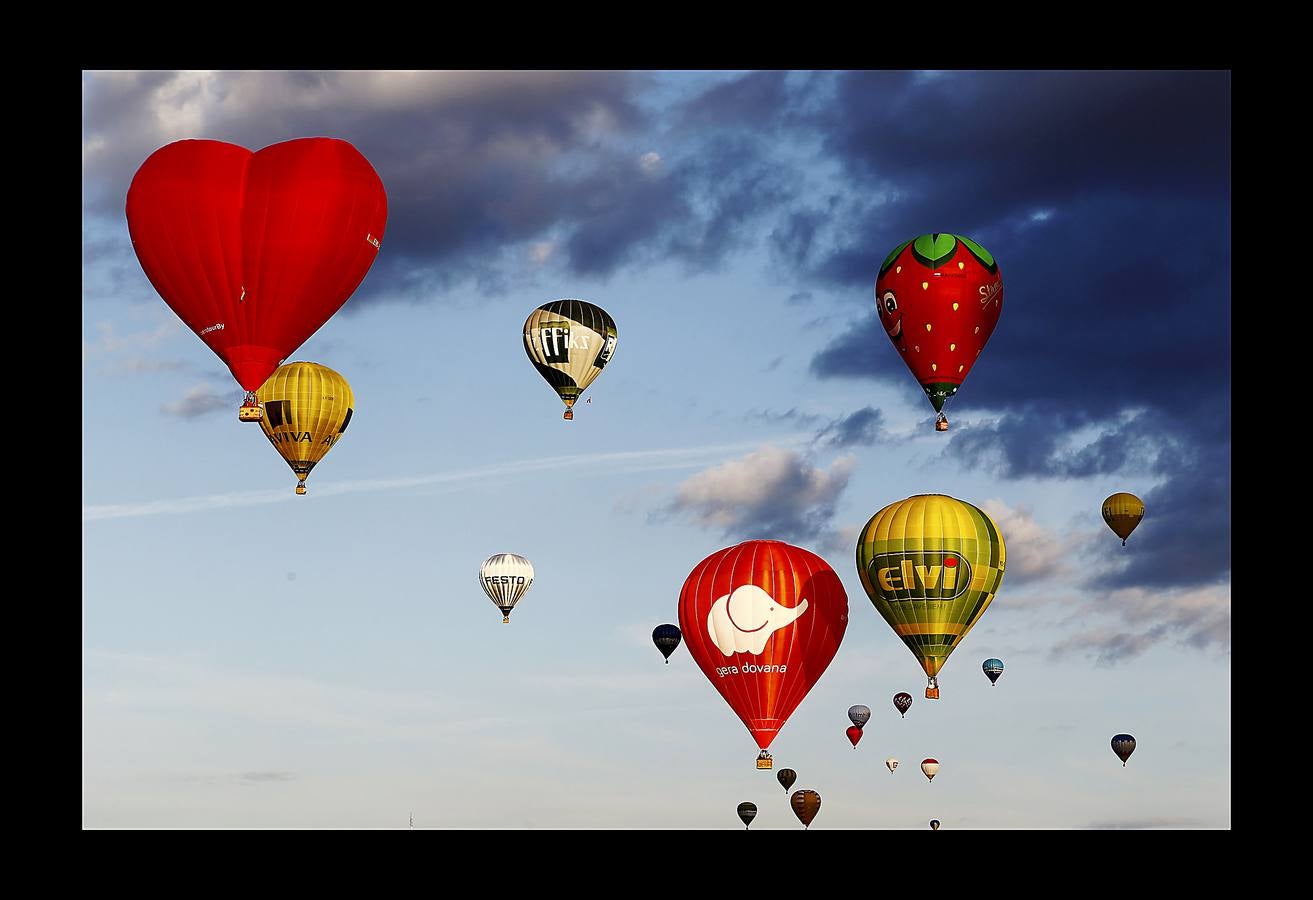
(198, 401)
(771, 493)
(649, 162)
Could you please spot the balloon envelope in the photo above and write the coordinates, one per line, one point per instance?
(506, 578)
(806, 804)
(307, 408)
(992, 669)
(762, 620)
(666, 638)
(934, 824)
(255, 251)
(939, 297)
(747, 812)
(891, 764)
(859, 715)
(903, 702)
(1123, 513)
(931, 565)
(786, 778)
(854, 735)
(930, 767)
(1123, 745)
(569, 342)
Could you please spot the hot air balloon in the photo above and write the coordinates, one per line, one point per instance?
(992, 668)
(939, 297)
(806, 804)
(931, 566)
(859, 715)
(762, 620)
(307, 408)
(569, 342)
(854, 735)
(666, 638)
(1122, 512)
(891, 764)
(786, 778)
(506, 578)
(255, 251)
(903, 702)
(934, 824)
(1123, 745)
(930, 767)
(747, 812)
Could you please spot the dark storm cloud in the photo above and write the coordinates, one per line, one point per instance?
(1106, 196)
(476, 165)
(861, 427)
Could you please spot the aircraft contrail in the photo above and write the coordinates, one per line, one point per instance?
(626, 461)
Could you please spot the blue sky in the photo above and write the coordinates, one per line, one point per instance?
(253, 658)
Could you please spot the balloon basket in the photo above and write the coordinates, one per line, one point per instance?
(506, 620)
(569, 414)
(300, 489)
(932, 693)
(250, 413)
(764, 761)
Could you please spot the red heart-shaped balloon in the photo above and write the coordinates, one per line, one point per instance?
(255, 251)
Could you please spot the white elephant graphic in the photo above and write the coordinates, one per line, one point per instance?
(742, 621)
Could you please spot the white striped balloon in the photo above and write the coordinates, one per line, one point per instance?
(505, 577)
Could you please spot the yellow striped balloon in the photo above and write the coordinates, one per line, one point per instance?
(306, 409)
(931, 566)
(1122, 512)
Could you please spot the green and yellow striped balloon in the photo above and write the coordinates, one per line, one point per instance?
(931, 565)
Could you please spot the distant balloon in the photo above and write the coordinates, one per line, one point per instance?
(992, 668)
(762, 620)
(931, 565)
(854, 735)
(307, 408)
(892, 764)
(666, 638)
(787, 777)
(903, 702)
(1123, 512)
(747, 812)
(806, 804)
(859, 715)
(934, 824)
(1123, 745)
(930, 767)
(569, 342)
(506, 578)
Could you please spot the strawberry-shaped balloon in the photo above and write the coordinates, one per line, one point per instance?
(939, 297)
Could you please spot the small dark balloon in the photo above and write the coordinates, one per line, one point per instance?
(806, 804)
(787, 777)
(1123, 745)
(934, 824)
(903, 702)
(992, 669)
(667, 638)
(747, 812)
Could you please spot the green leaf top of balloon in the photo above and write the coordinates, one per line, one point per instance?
(933, 250)
(986, 258)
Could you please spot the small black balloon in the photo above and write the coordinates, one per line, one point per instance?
(666, 638)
